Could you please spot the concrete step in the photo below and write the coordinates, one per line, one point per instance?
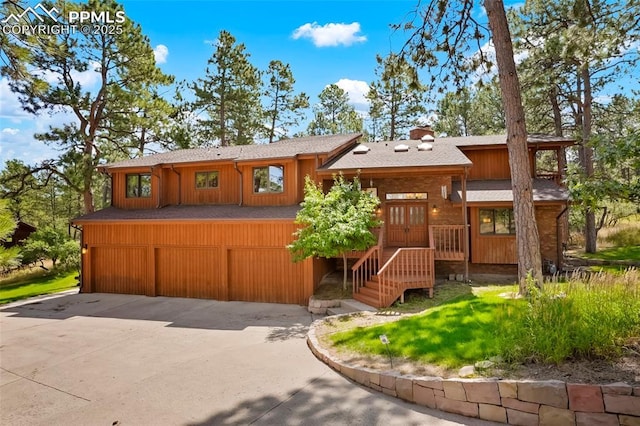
(338, 310)
(356, 306)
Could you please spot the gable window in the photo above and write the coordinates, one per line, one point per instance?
(497, 222)
(269, 179)
(139, 185)
(206, 180)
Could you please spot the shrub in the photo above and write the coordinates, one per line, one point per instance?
(586, 317)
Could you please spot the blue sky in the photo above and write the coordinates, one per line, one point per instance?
(325, 42)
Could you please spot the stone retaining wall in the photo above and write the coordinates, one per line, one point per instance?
(506, 401)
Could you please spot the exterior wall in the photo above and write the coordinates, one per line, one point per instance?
(489, 164)
(227, 192)
(286, 198)
(120, 198)
(501, 249)
(231, 260)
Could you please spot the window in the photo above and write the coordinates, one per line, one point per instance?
(139, 186)
(497, 222)
(268, 179)
(206, 180)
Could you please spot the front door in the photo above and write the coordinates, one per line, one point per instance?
(407, 225)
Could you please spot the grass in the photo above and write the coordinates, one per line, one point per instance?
(459, 331)
(584, 318)
(29, 286)
(628, 253)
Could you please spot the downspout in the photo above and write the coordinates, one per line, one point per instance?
(235, 166)
(159, 195)
(179, 184)
(465, 218)
(82, 256)
(560, 251)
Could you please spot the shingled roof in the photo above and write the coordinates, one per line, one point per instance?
(487, 140)
(288, 148)
(497, 191)
(191, 212)
(390, 154)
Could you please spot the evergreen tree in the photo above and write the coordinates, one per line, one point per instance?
(43, 70)
(283, 107)
(333, 114)
(228, 97)
(397, 100)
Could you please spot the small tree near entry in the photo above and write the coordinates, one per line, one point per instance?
(336, 222)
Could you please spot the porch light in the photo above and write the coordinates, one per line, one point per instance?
(378, 212)
(85, 249)
(434, 209)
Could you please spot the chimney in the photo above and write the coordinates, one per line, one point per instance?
(418, 132)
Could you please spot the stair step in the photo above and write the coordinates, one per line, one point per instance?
(372, 285)
(366, 299)
(369, 293)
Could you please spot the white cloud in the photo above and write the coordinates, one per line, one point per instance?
(357, 91)
(330, 34)
(10, 131)
(160, 53)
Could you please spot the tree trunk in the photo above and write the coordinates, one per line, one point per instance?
(590, 231)
(527, 237)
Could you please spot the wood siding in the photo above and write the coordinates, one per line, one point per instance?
(227, 192)
(489, 164)
(120, 198)
(224, 260)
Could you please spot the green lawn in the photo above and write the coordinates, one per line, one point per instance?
(616, 253)
(29, 287)
(458, 332)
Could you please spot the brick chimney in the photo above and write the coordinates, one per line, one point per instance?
(418, 132)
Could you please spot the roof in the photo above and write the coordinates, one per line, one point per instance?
(383, 155)
(484, 191)
(487, 140)
(191, 212)
(288, 148)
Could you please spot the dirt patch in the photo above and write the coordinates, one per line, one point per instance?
(625, 369)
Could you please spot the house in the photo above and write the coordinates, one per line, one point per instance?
(215, 222)
(22, 231)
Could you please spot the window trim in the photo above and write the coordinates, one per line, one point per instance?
(208, 173)
(138, 177)
(511, 224)
(268, 190)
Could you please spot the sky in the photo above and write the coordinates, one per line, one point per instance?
(325, 42)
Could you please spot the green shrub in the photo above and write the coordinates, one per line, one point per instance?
(586, 317)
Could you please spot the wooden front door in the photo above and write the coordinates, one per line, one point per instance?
(407, 225)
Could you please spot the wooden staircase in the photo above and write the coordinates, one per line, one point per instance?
(380, 277)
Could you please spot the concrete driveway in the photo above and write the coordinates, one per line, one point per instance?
(104, 359)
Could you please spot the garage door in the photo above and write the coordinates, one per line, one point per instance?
(119, 269)
(272, 277)
(189, 272)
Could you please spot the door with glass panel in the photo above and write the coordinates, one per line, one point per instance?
(407, 225)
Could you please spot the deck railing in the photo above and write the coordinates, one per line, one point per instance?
(365, 267)
(447, 241)
(407, 268)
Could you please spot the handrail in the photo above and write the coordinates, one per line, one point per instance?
(407, 268)
(365, 267)
(448, 241)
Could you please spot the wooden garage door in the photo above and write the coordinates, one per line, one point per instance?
(189, 272)
(119, 270)
(265, 275)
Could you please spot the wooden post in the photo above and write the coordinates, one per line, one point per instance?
(466, 224)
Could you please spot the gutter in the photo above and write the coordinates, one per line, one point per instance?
(159, 196)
